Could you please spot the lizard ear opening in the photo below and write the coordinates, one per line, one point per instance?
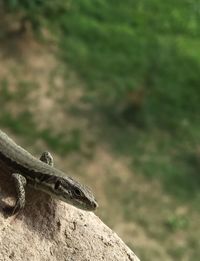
(57, 184)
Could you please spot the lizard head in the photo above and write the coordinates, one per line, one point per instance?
(74, 193)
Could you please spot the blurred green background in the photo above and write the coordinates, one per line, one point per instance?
(112, 89)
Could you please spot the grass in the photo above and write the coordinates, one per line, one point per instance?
(24, 125)
(123, 47)
(157, 154)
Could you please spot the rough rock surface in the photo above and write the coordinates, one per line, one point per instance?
(52, 230)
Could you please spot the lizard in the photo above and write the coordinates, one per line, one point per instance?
(27, 170)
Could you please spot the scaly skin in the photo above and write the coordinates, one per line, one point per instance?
(40, 174)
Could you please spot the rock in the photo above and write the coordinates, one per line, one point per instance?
(49, 229)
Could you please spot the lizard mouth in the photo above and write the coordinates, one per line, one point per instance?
(95, 205)
(88, 207)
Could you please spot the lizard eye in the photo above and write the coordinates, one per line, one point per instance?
(57, 185)
(77, 192)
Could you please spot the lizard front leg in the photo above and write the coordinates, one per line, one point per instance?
(47, 158)
(20, 183)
